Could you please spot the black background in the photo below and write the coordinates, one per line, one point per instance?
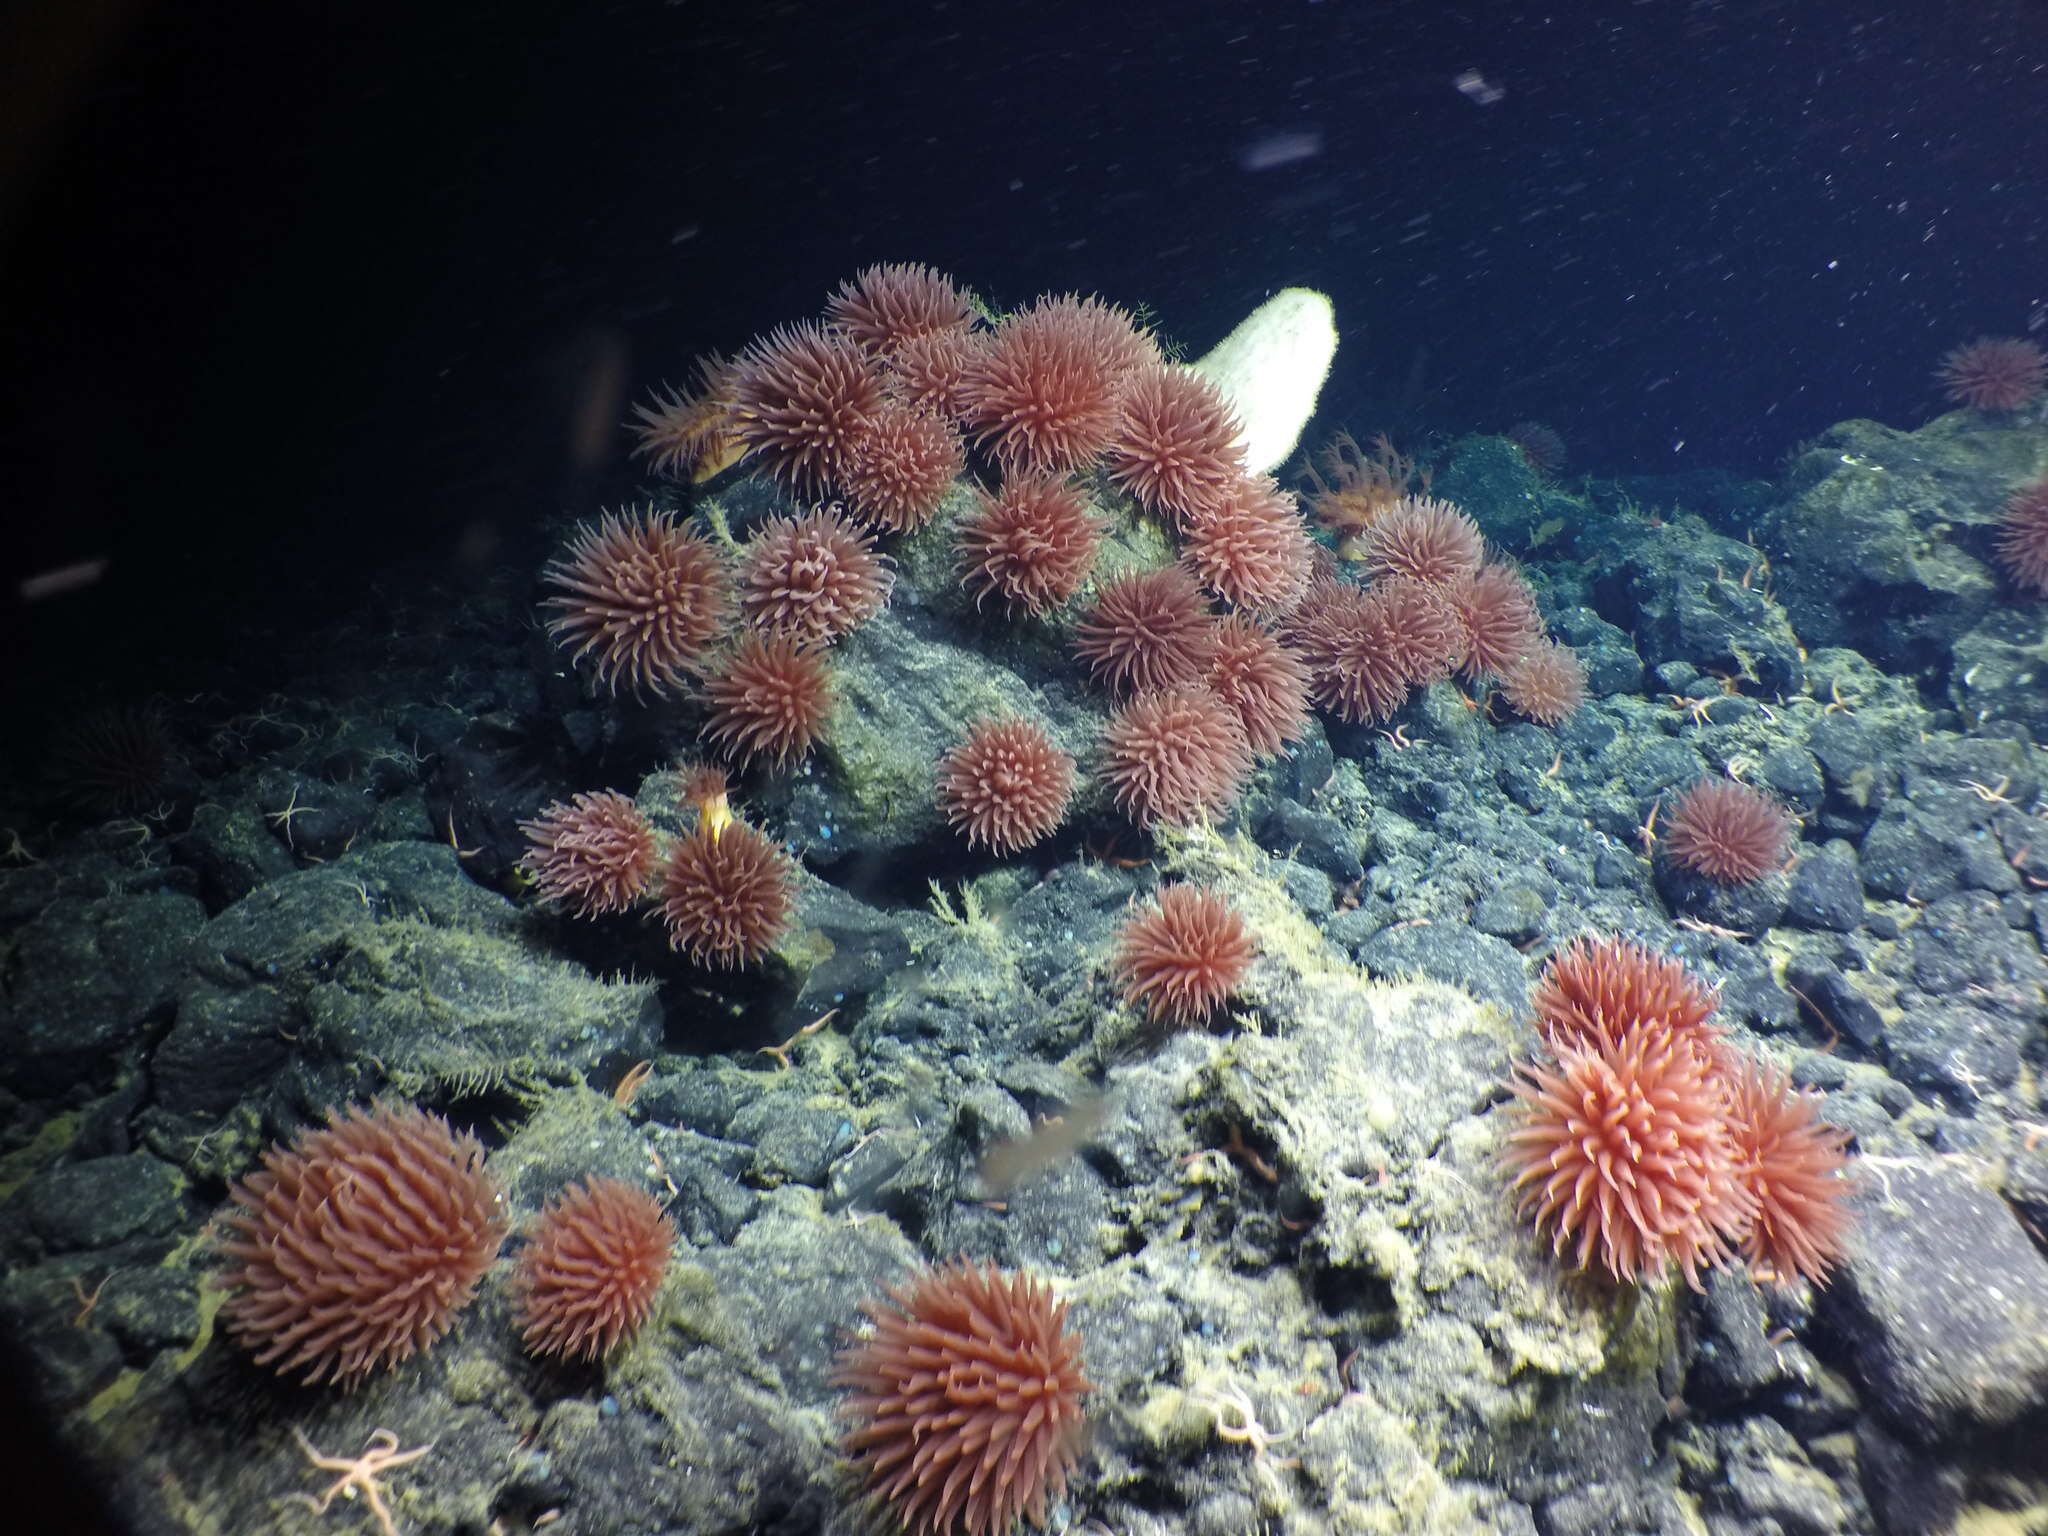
(295, 293)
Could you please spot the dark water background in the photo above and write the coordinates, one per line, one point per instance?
(297, 291)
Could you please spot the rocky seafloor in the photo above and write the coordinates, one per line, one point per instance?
(1292, 1219)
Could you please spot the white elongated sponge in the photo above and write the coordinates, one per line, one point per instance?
(1271, 369)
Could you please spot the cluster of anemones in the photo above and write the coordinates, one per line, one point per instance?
(1212, 662)
(867, 404)
(359, 1244)
(1645, 1138)
(1434, 605)
(724, 888)
(650, 604)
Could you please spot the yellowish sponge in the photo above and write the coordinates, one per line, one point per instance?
(1271, 369)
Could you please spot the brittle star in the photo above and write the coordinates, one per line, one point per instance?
(361, 1472)
(1247, 1430)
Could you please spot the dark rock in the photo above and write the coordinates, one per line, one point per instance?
(1907, 855)
(700, 1098)
(1615, 1509)
(1767, 1479)
(314, 819)
(1676, 677)
(1827, 1072)
(861, 949)
(1996, 680)
(150, 1310)
(83, 978)
(860, 1172)
(1350, 928)
(1749, 991)
(1310, 837)
(1692, 600)
(1514, 913)
(1059, 1220)
(1958, 1136)
(105, 1201)
(1954, 1049)
(1854, 769)
(1851, 554)
(390, 954)
(1484, 966)
(221, 1043)
(1751, 906)
(65, 1365)
(1794, 776)
(1611, 663)
(1615, 869)
(2026, 1182)
(1826, 891)
(1834, 1006)
(710, 1204)
(1309, 889)
(232, 851)
(1944, 1348)
(1301, 771)
(1966, 943)
(1912, 1491)
(1735, 1362)
(793, 1142)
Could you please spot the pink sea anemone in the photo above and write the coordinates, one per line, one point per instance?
(640, 598)
(813, 577)
(1251, 547)
(1007, 785)
(1727, 831)
(1182, 954)
(884, 306)
(1175, 756)
(1999, 373)
(770, 698)
(1046, 391)
(800, 398)
(2023, 537)
(1623, 1156)
(1252, 672)
(1545, 684)
(1145, 631)
(1029, 545)
(1427, 540)
(899, 464)
(1176, 451)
